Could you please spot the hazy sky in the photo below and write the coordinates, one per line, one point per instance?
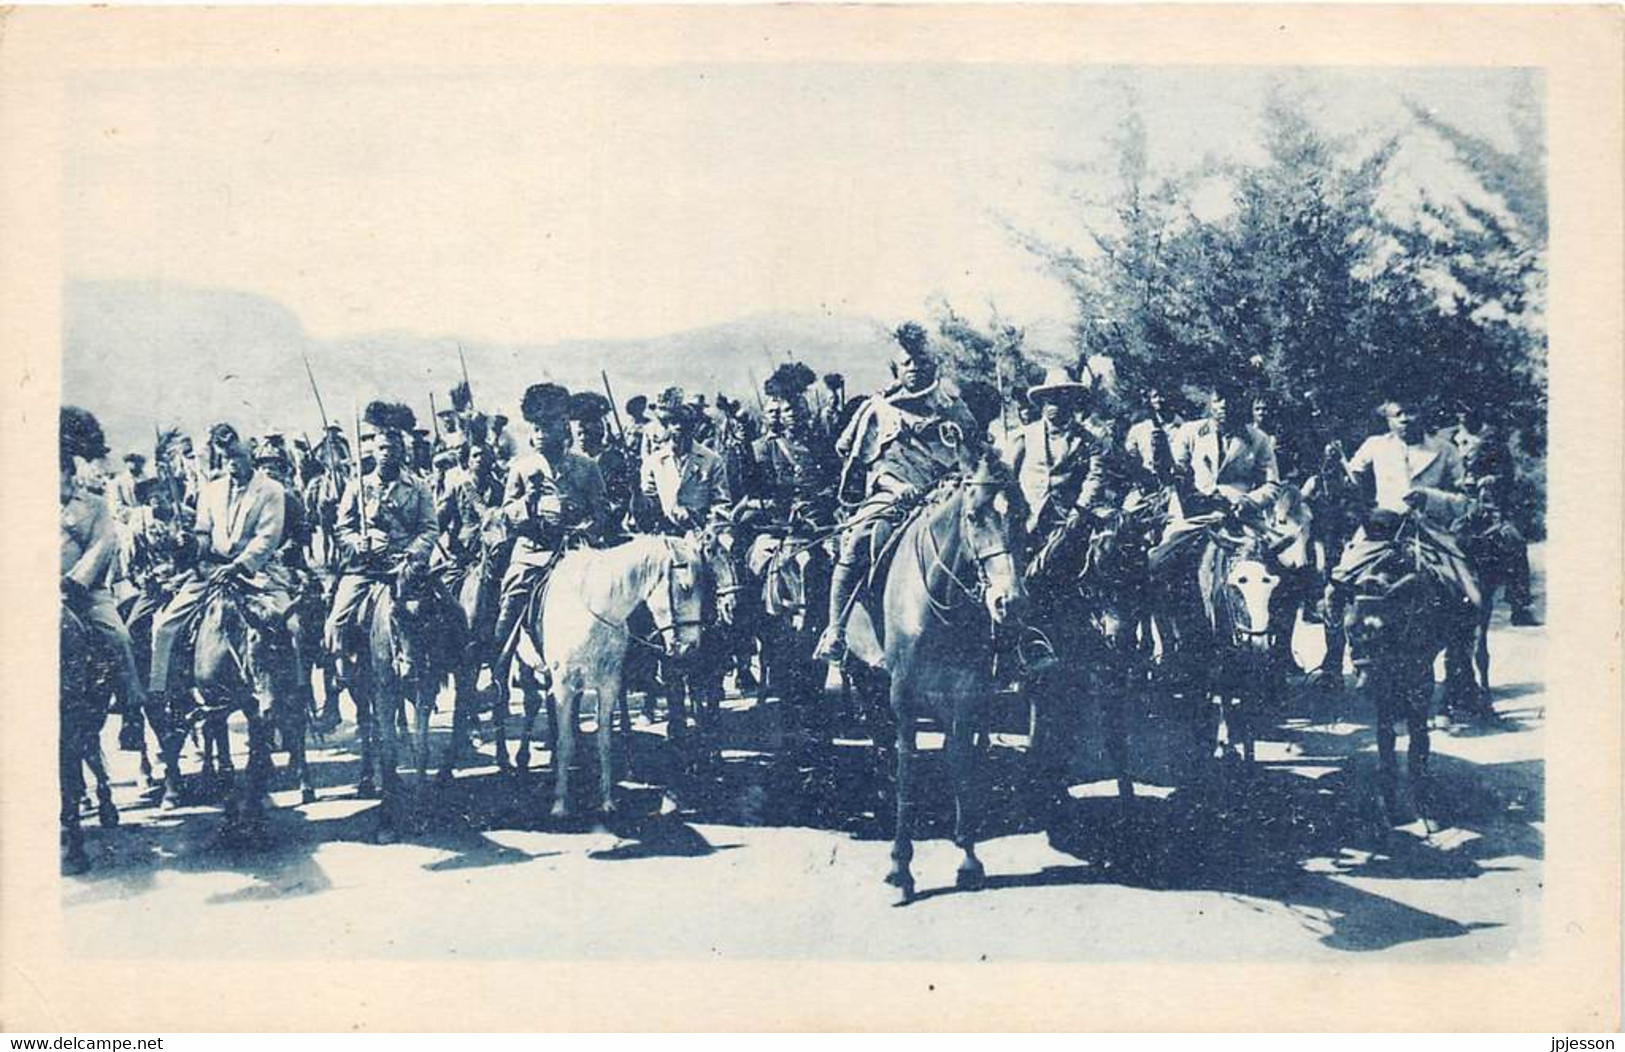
(619, 202)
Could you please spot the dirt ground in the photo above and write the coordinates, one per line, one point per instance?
(763, 857)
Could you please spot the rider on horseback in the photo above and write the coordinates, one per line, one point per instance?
(552, 495)
(899, 445)
(89, 545)
(684, 483)
(237, 535)
(385, 523)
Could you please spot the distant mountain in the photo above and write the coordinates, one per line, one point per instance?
(144, 353)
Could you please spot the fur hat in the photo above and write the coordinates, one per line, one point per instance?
(390, 416)
(80, 435)
(912, 337)
(588, 405)
(544, 401)
(789, 381)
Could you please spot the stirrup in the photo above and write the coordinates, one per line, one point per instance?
(831, 647)
(1035, 653)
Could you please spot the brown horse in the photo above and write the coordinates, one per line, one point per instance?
(954, 578)
(83, 693)
(1089, 585)
(1402, 615)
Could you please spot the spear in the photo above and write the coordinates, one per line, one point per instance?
(615, 414)
(361, 491)
(466, 384)
(315, 391)
(434, 420)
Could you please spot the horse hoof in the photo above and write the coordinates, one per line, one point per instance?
(366, 791)
(903, 882)
(107, 815)
(972, 878)
(75, 861)
(558, 812)
(307, 795)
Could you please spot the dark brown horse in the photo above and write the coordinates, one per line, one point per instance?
(1089, 587)
(954, 578)
(413, 641)
(83, 693)
(1401, 615)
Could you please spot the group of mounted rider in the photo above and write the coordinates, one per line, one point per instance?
(1100, 544)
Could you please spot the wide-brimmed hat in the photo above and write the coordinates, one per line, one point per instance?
(1060, 381)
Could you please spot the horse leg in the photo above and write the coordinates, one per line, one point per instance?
(71, 775)
(552, 722)
(609, 693)
(362, 693)
(499, 715)
(521, 758)
(1116, 735)
(966, 769)
(1481, 649)
(1387, 773)
(568, 688)
(902, 852)
(387, 721)
(422, 707)
(1418, 750)
(106, 812)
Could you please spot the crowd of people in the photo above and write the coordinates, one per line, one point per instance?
(482, 508)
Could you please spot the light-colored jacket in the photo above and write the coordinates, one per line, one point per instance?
(1432, 467)
(243, 523)
(1241, 466)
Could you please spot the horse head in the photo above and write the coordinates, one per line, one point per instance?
(1247, 591)
(678, 600)
(993, 516)
(714, 552)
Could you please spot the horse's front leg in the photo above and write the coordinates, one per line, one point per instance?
(967, 771)
(363, 691)
(527, 695)
(902, 852)
(1384, 702)
(501, 685)
(1419, 747)
(610, 694)
(568, 687)
(70, 772)
(106, 812)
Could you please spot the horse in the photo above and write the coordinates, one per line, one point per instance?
(1401, 616)
(1494, 549)
(235, 662)
(793, 576)
(590, 598)
(696, 677)
(83, 692)
(954, 577)
(413, 640)
(1090, 600)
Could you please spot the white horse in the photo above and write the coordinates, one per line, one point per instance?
(590, 596)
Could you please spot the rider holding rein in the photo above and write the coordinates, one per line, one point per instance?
(898, 446)
(683, 483)
(1223, 462)
(238, 534)
(386, 519)
(553, 496)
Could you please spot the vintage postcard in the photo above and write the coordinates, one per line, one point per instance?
(811, 517)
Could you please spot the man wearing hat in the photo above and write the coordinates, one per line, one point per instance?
(89, 546)
(589, 436)
(385, 524)
(897, 447)
(1054, 456)
(684, 483)
(237, 535)
(553, 496)
(794, 465)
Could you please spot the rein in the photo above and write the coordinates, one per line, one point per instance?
(660, 630)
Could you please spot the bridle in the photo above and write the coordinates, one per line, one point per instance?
(668, 575)
(951, 489)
